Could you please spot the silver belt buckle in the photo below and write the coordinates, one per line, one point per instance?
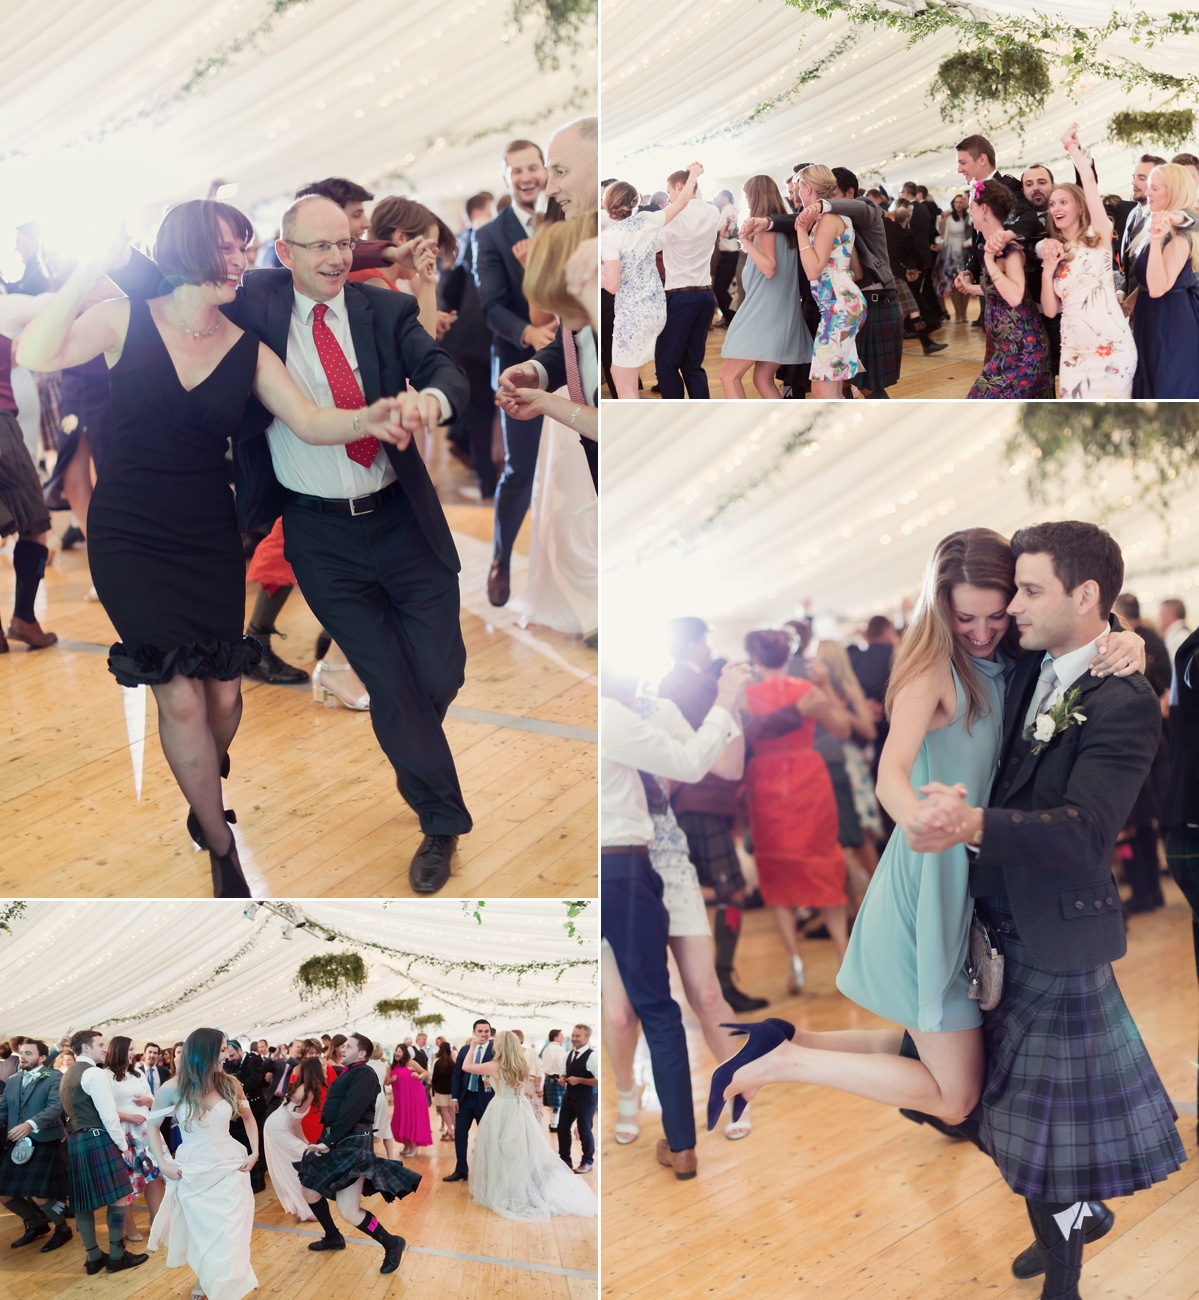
(354, 511)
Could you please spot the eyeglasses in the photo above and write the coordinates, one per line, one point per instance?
(323, 246)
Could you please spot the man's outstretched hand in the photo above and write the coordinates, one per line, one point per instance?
(944, 819)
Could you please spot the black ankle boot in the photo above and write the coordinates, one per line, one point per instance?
(1029, 1262)
(227, 878)
(1060, 1254)
(196, 831)
(725, 936)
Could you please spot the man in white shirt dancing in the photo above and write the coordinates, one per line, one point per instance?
(686, 245)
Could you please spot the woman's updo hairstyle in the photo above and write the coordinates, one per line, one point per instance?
(621, 200)
(769, 646)
(997, 197)
(819, 179)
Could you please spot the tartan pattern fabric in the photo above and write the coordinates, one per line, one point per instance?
(1072, 1107)
(710, 847)
(551, 1093)
(908, 306)
(96, 1170)
(42, 1174)
(353, 1158)
(880, 343)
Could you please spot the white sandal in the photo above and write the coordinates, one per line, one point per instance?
(736, 1129)
(628, 1107)
(333, 679)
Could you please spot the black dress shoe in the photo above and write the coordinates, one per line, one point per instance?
(61, 1236)
(227, 878)
(499, 586)
(966, 1131)
(225, 766)
(126, 1261)
(456, 1177)
(270, 668)
(430, 867)
(741, 1001)
(93, 1266)
(930, 346)
(1029, 1262)
(196, 831)
(31, 1234)
(72, 537)
(329, 1243)
(391, 1255)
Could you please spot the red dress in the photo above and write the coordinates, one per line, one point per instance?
(792, 808)
(311, 1123)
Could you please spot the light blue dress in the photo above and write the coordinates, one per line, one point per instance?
(769, 324)
(907, 953)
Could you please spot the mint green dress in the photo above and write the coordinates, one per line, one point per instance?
(907, 953)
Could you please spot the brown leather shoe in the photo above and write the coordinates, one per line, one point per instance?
(682, 1162)
(31, 634)
(499, 588)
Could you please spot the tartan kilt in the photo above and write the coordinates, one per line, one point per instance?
(710, 848)
(1072, 1107)
(551, 1092)
(353, 1158)
(880, 342)
(96, 1171)
(43, 1174)
(908, 306)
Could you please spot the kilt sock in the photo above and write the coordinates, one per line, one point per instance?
(53, 1210)
(1060, 1240)
(373, 1228)
(115, 1215)
(725, 931)
(324, 1217)
(85, 1222)
(29, 1210)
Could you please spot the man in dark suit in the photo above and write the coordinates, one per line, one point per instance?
(924, 232)
(365, 533)
(1072, 1109)
(281, 1072)
(499, 275)
(250, 1071)
(35, 1187)
(471, 1093)
(579, 1101)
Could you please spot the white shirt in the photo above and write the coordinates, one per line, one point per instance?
(553, 1058)
(526, 219)
(325, 471)
(1174, 636)
(18, 309)
(686, 245)
(663, 745)
(1067, 668)
(729, 244)
(588, 366)
(97, 1084)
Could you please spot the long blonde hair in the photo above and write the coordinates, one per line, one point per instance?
(510, 1064)
(837, 657)
(201, 1072)
(552, 246)
(1180, 197)
(976, 556)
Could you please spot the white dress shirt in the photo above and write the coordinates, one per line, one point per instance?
(663, 745)
(553, 1059)
(1174, 636)
(686, 245)
(1067, 668)
(526, 219)
(18, 309)
(97, 1084)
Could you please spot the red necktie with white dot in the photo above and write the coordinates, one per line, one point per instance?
(347, 396)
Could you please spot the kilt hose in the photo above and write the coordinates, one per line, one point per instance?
(42, 1174)
(96, 1170)
(1072, 1107)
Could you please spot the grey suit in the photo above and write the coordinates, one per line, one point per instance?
(37, 1103)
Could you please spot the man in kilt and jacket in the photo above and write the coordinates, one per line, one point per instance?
(96, 1169)
(33, 1179)
(343, 1164)
(1072, 1109)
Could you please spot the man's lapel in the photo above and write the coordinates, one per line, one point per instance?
(278, 319)
(1085, 685)
(1024, 675)
(362, 331)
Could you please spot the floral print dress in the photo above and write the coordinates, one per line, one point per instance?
(1017, 364)
(842, 311)
(1099, 357)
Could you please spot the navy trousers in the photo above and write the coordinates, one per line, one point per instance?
(582, 1113)
(471, 1106)
(380, 592)
(636, 925)
(679, 352)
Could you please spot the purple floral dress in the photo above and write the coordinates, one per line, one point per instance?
(1017, 364)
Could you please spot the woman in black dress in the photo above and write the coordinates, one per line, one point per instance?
(163, 545)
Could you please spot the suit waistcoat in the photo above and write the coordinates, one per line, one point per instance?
(77, 1106)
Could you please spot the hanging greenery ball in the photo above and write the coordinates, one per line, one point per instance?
(1011, 82)
(391, 1008)
(430, 1021)
(1170, 128)
(335, 974)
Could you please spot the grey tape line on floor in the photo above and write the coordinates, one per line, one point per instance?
(556, 1269)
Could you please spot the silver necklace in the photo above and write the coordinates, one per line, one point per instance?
(198, 334)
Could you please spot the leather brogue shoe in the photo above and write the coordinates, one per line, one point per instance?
(270, 668)
(391, 1254)
(430, 867)
(32, 635)
(328, 1243)
(499, 586)
(31, 1234)
(62, 1235)
(93, 1266)
(682, 1162)
(1101, 1221)
(456, 1177)
(126, 1261)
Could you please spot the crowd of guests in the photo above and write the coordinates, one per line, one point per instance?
(94, 1122)
(1083, 295)
(778, 810)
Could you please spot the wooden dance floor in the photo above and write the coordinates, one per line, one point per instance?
(455, 1251)
(838, 1197)
(317, 806)
(945, 375)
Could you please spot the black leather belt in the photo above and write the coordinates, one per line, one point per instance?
(624, 851)
(691, 288)
(347, 505)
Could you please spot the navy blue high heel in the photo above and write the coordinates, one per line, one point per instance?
(764, 1036)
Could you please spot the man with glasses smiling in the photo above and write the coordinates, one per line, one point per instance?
(363, 528)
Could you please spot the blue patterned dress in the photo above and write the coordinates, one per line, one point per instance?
(640, 301)
(842, 311)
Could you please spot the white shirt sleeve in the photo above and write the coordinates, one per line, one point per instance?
(98, 1087)
(649, 745)
(18, 309)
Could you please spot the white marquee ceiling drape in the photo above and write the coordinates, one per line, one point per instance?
(843, 531)
(73, 964)
(677, 71)
(357, 88)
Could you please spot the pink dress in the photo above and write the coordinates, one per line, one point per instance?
(410, 1108)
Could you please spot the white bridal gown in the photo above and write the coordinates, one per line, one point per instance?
(207, 1215)
(514, 1170)
(283, 1141)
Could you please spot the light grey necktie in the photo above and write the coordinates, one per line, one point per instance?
(28, 1079)
(1047, 683)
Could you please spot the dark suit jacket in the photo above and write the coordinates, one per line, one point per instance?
(461, 1080)
(923, 231)
(251, 1074)
(392, 348)
(39, 1102)
(349, 1102)
(499, 277)
(1181, 806)
(1025, 222)
(1055, 815)
(469, 335)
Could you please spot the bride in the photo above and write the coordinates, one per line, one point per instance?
(907, 953)
(207, 1215)
(513, 1170)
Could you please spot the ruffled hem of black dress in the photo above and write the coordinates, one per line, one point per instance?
(149, 665)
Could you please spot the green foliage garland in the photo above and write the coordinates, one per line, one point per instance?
(1171, 128)
(392, 1008)
(12, 912)
(561, 27)
(574, 907)
(165, 1008)
(1011, 81)
(429, 1021)
(1157, 441)
(578, 100)
(333, 976)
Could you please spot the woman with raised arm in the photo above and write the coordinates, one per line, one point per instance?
(1098, 354)
(163, 545)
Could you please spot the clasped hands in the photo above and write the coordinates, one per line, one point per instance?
(943, 819)
(396, 419)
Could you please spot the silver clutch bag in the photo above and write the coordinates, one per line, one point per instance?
(984, 965)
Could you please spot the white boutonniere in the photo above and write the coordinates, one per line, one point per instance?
(1061, 711)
